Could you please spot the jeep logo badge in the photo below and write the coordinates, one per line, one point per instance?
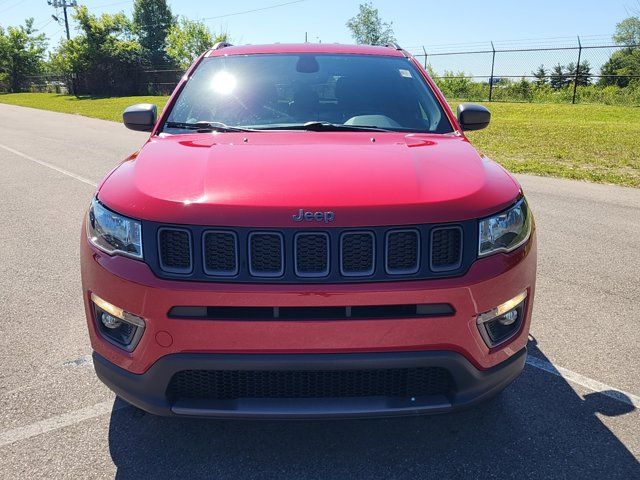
(325, 217)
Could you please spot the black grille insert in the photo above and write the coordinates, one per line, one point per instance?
(266, 254)
(357, 254)
(220, 253)
(318, 254)
(305, 313)
(312, 254)
(446, 248)
(175, 250)
(235, 384)
(403, 247)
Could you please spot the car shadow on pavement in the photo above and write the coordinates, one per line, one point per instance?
(538, 427)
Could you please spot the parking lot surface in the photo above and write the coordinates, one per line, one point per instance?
(573, 413)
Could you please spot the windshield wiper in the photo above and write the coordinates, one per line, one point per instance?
(204, 126)
(329, 127)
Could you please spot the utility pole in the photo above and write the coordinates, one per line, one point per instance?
(64, 4)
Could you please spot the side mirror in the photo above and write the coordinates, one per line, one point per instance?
(472, 116)
(141, 117)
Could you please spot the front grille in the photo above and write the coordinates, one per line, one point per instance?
(446, 248)
(175, 250)
(220, 253)
(403, 252)
(296, 255)
(235, 384)
(312, 254)
(357, 254)
(266, 254)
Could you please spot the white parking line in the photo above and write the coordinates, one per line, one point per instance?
(49, 165)
(591, 384)
(59, 421)
(71, 418)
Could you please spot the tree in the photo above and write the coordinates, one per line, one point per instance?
(628, 32)
(621, 68)
(584, 74)
(368, 28)
(558, 79)
(540, 75)
(152, 20)
(103, 57)
(522, 89)
(21, 54)
(187, 39)
(623, 64)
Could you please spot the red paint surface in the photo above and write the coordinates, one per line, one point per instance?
(217, 179)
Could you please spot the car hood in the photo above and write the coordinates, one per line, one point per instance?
(265, 178)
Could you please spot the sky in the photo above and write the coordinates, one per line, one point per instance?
(439, 26)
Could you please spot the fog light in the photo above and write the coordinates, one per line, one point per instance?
(508, 318)
(110, 321)
(116, 325)
(502, 322)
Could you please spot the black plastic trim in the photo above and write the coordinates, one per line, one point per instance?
(180, 271)
(469, 254)
(295, 255)
(220, 272)
(452, 266)
(393, 271)
(355, 273)
(148, 390)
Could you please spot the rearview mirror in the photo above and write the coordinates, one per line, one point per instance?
(140, 117)
(472, 116)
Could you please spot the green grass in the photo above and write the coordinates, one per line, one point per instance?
(105, 108)
(598, 143)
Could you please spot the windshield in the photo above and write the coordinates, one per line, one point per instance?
(288, 90)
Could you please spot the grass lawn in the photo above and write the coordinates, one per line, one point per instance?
(599, 143)
(104, 108)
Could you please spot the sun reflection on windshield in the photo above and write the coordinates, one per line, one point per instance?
(223, 83)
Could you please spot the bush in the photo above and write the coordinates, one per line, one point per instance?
(459, 87)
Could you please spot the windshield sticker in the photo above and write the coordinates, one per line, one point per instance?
(405, 73)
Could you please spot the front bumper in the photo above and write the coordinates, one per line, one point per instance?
(169, 344)
(148, 390)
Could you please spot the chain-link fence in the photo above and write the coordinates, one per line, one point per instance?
(136, 82)
(569, 71)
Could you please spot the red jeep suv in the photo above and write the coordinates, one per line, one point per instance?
(307, 232)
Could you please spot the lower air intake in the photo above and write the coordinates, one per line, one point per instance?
(235, 384)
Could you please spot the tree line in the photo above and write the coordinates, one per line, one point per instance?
(113, 54)
(110, 53)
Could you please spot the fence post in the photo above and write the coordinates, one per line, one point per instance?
(493, 62)
(425, 57)
(575, 80)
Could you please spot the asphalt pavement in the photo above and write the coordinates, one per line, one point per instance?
(573, 413)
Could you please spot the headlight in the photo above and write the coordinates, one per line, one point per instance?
(113, 233)
(506, 231)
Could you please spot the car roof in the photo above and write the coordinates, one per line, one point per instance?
(336, 48)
